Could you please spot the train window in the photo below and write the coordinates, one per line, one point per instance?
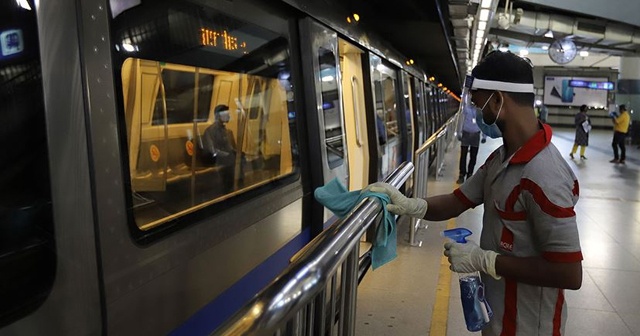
(27, 245)
(331, 108)
(179, 89)
(408, 107)
(208, 107)
(389, 138)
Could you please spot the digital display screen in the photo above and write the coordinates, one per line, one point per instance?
(576, 91)
(591, 85)
(221, 39)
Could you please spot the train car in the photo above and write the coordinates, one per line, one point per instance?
(159, 157)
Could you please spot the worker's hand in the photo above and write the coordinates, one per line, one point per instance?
(469, 257)
(400, 204)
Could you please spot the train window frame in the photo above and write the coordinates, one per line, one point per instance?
(390, 137)
(248, 110)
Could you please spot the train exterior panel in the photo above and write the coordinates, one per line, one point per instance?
(175, 147)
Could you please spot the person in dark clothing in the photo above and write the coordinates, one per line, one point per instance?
(469, 136)
(583, 126)
(220, 144)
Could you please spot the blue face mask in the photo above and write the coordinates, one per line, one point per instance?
(492, 129)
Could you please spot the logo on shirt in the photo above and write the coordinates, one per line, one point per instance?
(506, 240)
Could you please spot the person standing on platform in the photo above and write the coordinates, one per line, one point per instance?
(469, 137)
(620, 129)
(529, 246)
(583, 127)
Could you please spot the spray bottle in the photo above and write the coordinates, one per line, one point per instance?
(477, 312)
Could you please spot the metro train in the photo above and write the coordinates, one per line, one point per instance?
(159, 158)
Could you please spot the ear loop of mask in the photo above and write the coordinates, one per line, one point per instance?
(499, 110)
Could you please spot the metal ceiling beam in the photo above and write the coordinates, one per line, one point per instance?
(545, 40)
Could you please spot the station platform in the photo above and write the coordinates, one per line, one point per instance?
(416, 294)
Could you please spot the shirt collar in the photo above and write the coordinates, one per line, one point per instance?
(533, 146)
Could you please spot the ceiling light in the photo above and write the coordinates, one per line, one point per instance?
(484, 15)
(545, 47)
(503, 49)
(524, 52)
(24, 4)
(328, 78)
(482, 25)
(486, 3)
(584, 53)
(549, 34)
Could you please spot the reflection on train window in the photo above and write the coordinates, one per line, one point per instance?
(207, 104)
(331, 108)
(179, 89)
(389, 137)
(408, 107)
(27, 246)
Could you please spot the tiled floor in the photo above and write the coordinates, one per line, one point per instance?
(398, 298)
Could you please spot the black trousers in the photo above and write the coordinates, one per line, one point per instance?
(618, 141)
(473, 154)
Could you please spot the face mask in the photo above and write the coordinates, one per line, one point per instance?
(224, 116)
(490, 130)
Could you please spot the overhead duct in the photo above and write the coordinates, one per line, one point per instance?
(605, 33)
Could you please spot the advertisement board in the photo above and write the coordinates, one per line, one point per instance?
(564, 91)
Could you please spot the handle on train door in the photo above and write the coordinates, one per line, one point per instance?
(356, 109)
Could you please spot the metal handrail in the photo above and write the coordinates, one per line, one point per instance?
(301, 290)
(421, 173)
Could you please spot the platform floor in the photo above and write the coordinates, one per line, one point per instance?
(399, 298)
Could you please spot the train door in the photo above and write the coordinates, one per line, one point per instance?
(320, 58)
(410, 110)
(48, 264)
(354, 114)
(420, 131)
(384, 82)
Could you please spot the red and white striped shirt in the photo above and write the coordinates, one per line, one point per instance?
(528, 211)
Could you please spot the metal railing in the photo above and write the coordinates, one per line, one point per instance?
(441, 140)
(316, 294)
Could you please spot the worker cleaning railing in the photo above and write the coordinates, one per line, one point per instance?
(316, 294)
(441, 140)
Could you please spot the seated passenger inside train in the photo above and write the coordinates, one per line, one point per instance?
(219, 145)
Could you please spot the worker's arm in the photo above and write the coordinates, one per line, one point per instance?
(443, 207)
(540, 272)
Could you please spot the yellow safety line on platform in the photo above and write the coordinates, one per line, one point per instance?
(440, 313)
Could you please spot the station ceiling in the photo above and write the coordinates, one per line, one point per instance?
(435, 33)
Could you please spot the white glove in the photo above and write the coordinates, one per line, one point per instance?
(400, 204)
(469, 257)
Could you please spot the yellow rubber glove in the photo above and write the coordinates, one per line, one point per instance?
(400, 204)
(469, 257)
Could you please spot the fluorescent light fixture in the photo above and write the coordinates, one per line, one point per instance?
(24, 4)
(545, 47)
(128, 47)
(584, 53)
(524, 52)
(480, 34)
(503, 49)
(482, 25)
(486, 3)
(328, 78)
(549, 34)
(484, 15)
